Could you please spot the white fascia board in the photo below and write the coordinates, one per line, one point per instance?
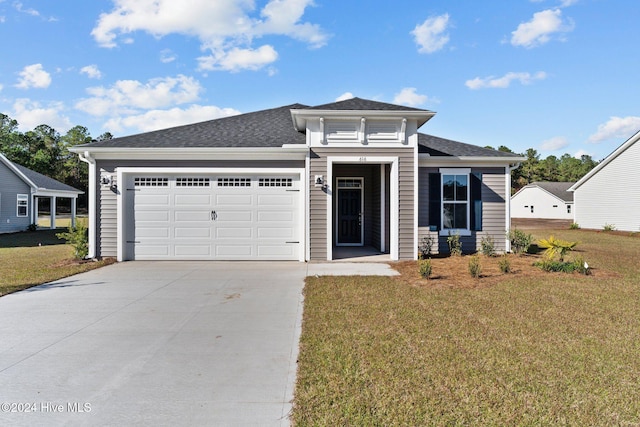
(426, 160)
(290, 152)
(301, 116)
(44, 192)
(15, 170)
(635, 138)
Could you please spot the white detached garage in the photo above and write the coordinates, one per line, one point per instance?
(210, 215)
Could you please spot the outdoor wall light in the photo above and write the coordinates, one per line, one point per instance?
(319, 180)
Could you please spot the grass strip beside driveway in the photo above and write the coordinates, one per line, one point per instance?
(558, 349)
(33, 258)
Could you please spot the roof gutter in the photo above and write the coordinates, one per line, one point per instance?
(285, 152)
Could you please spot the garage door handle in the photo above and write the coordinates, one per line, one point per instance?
(214, 215)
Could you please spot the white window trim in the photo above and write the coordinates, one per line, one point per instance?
(459, 231)
(22, 198)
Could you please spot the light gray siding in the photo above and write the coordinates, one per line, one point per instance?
(10, 186)
(318, 197)
(611, 195)
(494, 191)
(107, 221)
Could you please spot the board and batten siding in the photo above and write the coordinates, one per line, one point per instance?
(107, 220)
(318, 196)
(611, 196)
(493, 210)
(10, 186)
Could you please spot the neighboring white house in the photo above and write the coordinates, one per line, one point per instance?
(608, 194)
(20, 189)
(543, 200)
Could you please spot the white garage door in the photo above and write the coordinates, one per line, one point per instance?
(216, 217)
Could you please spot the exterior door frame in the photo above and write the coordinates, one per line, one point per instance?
(123, 207)
(361, 189)
(394, 179)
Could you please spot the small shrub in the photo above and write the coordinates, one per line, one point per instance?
(608, 227)
(455, 246)
(425, 268)
(32, 227)
(474, 266)
(574, 226)
(78, 238)
(555, 247)
(487, 246)
(578, 265)
(426, 246)
(505, 264)
(520, 241)
(581, 266)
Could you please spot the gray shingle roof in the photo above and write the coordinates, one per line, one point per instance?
(363, 105)
(266, 128)
(436, 146)
(558, 189)
(42, 181)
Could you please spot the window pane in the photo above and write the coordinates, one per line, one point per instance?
(461, 187)
(448, 187)
(455, 216)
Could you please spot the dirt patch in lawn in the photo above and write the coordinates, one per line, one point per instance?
(453, 271)
(71, 262)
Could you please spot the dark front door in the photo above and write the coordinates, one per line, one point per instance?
(349, 216)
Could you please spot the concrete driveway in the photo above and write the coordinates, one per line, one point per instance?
(154, 343)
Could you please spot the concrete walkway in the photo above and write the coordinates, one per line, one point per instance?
(157, 343)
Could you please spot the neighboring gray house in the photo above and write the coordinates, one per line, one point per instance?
(544, 200)
(608, 193)
(294, 183)
(20, 189)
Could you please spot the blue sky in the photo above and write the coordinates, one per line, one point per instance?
(560, 76)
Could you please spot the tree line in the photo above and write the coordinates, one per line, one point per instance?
(45, 150)
(565, 168)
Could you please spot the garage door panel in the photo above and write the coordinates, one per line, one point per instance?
(275, 233)
(225, 215)
(152, 232)
(234, 232)
(152, 199)
(192, 233)
(148, 251)
(155, 216)
(235, 199)
(277, 251)
(192, 216)
(192, 250)
(192, 200)
(276, 200)
(276, 216)
(243, 251)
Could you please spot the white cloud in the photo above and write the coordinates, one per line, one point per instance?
(29, 11)
(616, 127)
(30, 114)
(567, 3)
(540, 29)
(92, 71)
(554, 144)
(408, 96)
(3, 19)
(167, 55)
(578, 154)
(237, 59)
(431, 35)
(34, 76)
(160, 119)
(504, 81)
(345, 96)
(131, 96)
(225, 28)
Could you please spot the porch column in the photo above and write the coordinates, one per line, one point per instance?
(73, 211)
(53, 213)
(34, 210)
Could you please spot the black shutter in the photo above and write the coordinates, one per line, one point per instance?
(434, 200)
(476, 201)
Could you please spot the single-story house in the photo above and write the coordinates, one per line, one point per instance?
(544, 200)
(20, 189)
(607, 195)
(296, 182)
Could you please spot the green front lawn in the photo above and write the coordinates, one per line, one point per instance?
(33, 258)
(531, 349)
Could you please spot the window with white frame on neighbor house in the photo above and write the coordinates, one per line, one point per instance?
(23, 205)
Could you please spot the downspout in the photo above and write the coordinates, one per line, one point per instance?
(86, 157)
(510, 168)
